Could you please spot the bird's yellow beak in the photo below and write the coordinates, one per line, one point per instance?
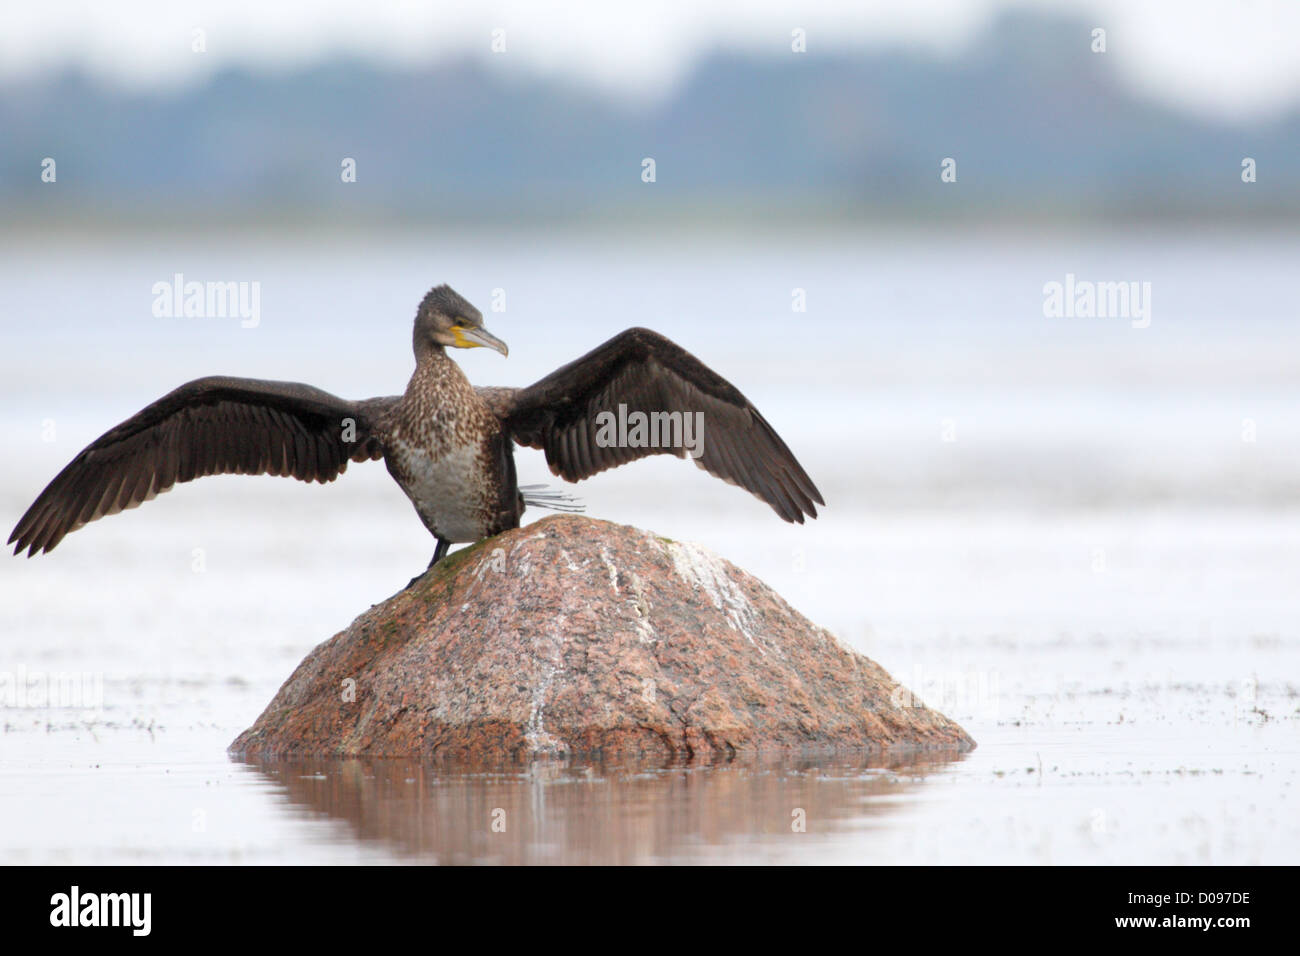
(467, 337)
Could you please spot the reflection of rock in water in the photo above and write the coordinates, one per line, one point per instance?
(580, 637)
(553, 812)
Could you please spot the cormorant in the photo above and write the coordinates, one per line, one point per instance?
(446, 443)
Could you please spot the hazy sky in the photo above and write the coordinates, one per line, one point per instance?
(1231, 57)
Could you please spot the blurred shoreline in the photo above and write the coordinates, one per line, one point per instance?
(1025, 123)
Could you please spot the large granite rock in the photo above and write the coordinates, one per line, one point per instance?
(579, 637)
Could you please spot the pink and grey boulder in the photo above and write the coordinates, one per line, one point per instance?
(579, 637)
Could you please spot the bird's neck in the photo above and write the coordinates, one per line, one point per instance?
(437, 397)
(427, 352)
(435, 368)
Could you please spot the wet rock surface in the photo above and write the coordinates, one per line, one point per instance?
(575, 637)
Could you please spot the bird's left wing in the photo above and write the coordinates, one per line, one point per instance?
(578, 414)
(210, 426)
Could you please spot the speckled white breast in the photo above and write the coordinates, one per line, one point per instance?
(446, 490)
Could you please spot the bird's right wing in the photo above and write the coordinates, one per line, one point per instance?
(210, 426)
(642, 372)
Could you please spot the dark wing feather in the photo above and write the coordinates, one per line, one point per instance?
(211, 426)
(649, 373)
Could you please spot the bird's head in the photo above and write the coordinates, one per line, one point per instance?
(445, 318)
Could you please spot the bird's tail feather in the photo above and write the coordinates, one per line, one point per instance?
(541, 496)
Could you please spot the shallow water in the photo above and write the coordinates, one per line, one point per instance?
(1095, 576)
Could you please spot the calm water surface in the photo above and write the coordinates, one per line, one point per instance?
(1079, 539)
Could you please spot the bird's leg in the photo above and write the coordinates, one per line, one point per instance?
(439, 553)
